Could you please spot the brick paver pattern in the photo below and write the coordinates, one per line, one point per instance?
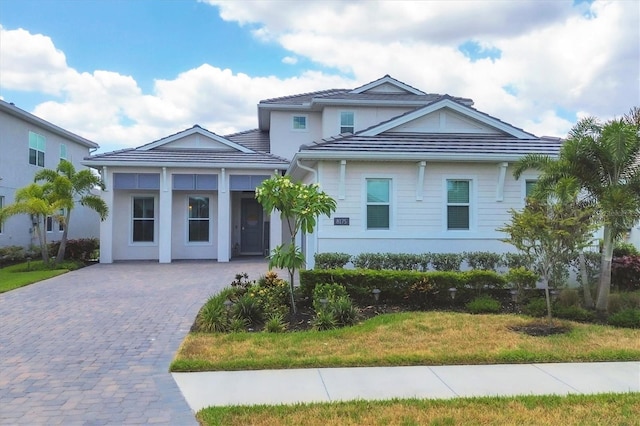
(93, 346)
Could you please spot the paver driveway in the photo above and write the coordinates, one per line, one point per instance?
(94, 346)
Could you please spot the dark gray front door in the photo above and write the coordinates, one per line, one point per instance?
(251, 221)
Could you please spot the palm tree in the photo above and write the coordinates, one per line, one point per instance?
(36, 201)
(68, 188)
(603, 160)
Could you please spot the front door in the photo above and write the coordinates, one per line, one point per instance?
(251, 222)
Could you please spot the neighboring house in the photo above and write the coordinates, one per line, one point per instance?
(410, 171)
(29, 144)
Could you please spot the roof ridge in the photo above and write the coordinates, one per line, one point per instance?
(319, 92)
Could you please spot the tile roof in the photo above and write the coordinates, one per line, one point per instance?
(346, 95)
(186, 157)
(438, 143)
(254, 139)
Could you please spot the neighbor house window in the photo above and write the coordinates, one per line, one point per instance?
(36, 149)
(378, 203)
(1, 205)
(60, 224)
(63, 151)
(49, 224)
(299, 122)
(143, 219)
(198, 219)
(458, 192)
(347, 121)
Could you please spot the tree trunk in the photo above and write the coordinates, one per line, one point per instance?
(42, 239)
(63, 241)
(586, 288)
(547, 297)
(604, 284)
(293, 299)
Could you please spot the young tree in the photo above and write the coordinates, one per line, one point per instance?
(550, 233)
(68, 188)
(300, 205)
(36, 201)
(603, 160)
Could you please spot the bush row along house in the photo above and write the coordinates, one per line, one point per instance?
(29, 144)
(410, 171)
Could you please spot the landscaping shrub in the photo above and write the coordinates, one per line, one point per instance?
(629, 318)
(248, 308)
(328, 291)
(535, 307)
(517, 260)
(368, 261)
(484, 260)
(625, 273)
(592, 262)
(483, 279)
(621, 301)
(573, 312)
(275, 324)
(213, 316)
(521, 278)
(271, 293)
(238, 325)
(324, 320)
(331, 260)
(343, 311)
(568, 297)
(625, 249)
(446, 261)
(241, 283)
(483, 305)
(420, 292)
(11, 255)
(82, 249)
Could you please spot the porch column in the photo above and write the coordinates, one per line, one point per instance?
(275, 230)
(106, 226)
(224, 218)
(164, 224)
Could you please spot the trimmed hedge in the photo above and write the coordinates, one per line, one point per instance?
(413, 287)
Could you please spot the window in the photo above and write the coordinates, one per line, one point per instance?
(36, 149)
(143, 219)
(347, 122)
(299, 122)
(378, 203)
(63, 151)
(1, 206)
(529, 186)
(60, 224)
(49, 224)
(198, 219)
(458, 204)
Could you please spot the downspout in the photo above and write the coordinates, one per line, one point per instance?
(315, 179)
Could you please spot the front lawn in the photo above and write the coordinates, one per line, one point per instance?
(611, 409)
(15, 276)
(409, 338)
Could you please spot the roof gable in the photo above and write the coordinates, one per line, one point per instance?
(389, 85)
(195, 138)
(447, 116)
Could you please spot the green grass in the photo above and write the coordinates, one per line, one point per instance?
(409, 338)
(22, 274)
(610, 409)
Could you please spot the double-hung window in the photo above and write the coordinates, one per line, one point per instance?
(49, 223)
(144, 219)
(378, 203)
(37, 145)
(347, 122)
(198, 219)
(299, 122)
(458, 204)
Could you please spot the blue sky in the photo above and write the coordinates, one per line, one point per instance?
(125, 72)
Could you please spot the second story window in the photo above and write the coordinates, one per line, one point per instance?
(63, 151)
(347, 120)
(36, 149)
(299, 122)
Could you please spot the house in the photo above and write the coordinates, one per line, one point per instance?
(410, 171)
(29, 144)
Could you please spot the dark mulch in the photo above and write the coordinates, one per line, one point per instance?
(541, 328)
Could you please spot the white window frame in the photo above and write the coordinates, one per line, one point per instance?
(48, 224)
(63, 151)
(188, 220)
(1, 206)
(340, 125)
(306, 122)
(132, 219)
(60, 225)
(392, 203)
(523, 188)
(472, 204)
(38, 148)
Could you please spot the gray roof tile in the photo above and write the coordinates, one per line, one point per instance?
(255, 139)
(186, 157)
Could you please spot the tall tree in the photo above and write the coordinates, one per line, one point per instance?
(37, 202)
(69, 188)
(300, 205)
(603, 160)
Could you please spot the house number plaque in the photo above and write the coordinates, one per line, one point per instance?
(341, 221)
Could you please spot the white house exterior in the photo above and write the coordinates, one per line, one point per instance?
(27, 145)
(410, 171)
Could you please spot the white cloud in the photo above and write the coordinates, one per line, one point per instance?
(553, 57)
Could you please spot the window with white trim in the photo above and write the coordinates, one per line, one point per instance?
(63, 151)
(529, 186)
(49, 224)
(198, 218)
(347, 122)
(1, 206)
(378, 203)
(144, 219)
(60, 223)
(299, 122)
(37, 144)
(458, 204)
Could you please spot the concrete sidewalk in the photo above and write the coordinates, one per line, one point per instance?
(377, 383)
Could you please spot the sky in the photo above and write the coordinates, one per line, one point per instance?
(123, 73)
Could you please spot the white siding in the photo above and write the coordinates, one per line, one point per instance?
(365, 117)
(444, 121)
